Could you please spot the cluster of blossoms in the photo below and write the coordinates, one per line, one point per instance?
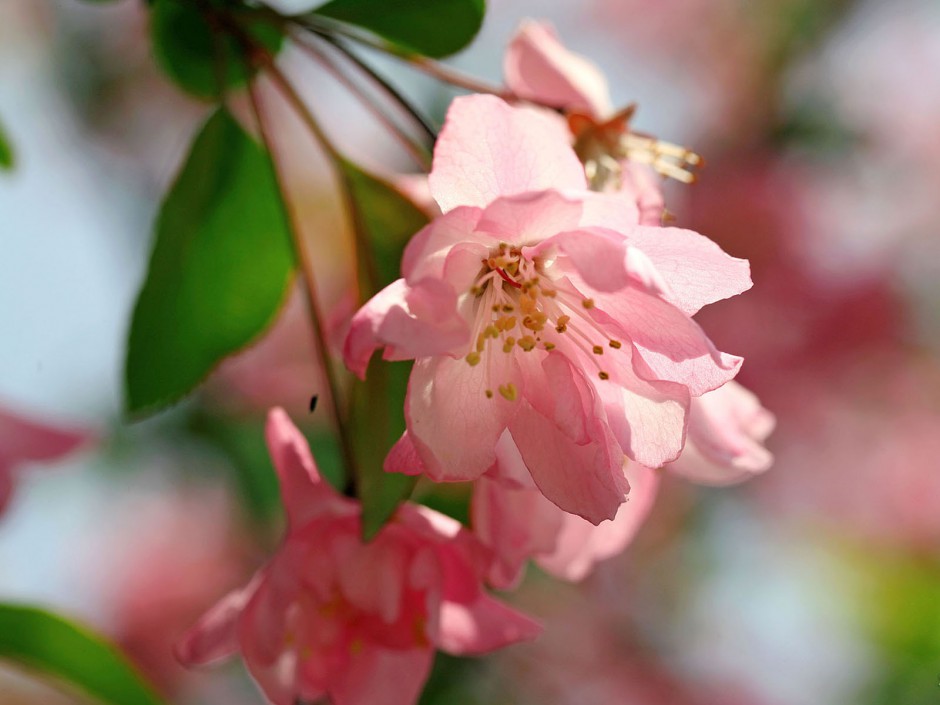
(557, 366)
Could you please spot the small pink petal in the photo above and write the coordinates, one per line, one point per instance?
(482, 625)
(530, 217)
(426, 253)
(580, 544)
(404, 458)
(697, 271)
(304, 493)
(586, 480)
(671, 345)
(453, 424)
(379, 676)
(727, 428)
(409, 321)
(214, 637)
(488, 149)
(538, 67)
(598, 255)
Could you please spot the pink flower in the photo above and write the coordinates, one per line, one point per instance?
(539, 68)
(727, 428)
(23, 440)
(358, 622)
(542, 315)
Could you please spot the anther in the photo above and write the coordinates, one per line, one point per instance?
(597, 350)
(588, 303)
(489, 393)
(527, 343)
(603, 375)
(549, 346)
(473, 358)
(615, 344)
(508, 391)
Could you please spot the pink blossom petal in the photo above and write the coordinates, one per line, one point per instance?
(558, 391)
(727, 428)
(580, 545)
(409, 321)
(304, 493)
(426, 252)
(517, 524)
(214, 637)
(697, 271)
(453, 424)
(378, 676)
(481, 626)
(648, 419)
(586, 480)
(671, 345)
(404, 458)
(598, 255)
(488, 149)
(538, 67)
(530, 217)
(23, 440)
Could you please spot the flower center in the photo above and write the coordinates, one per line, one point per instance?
(519, 306)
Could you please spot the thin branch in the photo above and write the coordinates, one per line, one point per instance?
(416, 151)
(306, 267)
(368, 269)
(435, 69)
(374, 76)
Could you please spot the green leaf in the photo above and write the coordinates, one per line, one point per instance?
(198, 54)
(433, 28)
(385, 221)
(377, 421)
(7, 158)
(219, 272)
(58, 648)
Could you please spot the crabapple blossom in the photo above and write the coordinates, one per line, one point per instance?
(538, 68)
(330, 615)
(542, 311)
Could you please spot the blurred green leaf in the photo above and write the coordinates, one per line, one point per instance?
(65, 651)
(434, 28)
(197, 53)
(385, 221)
(219, 272)
(7, 158)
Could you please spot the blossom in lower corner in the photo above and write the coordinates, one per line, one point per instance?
(332, 616)
(543, 315)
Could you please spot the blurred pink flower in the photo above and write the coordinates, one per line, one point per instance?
(23, 440)
(330, 615)
(574, 336)
(175, 551)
